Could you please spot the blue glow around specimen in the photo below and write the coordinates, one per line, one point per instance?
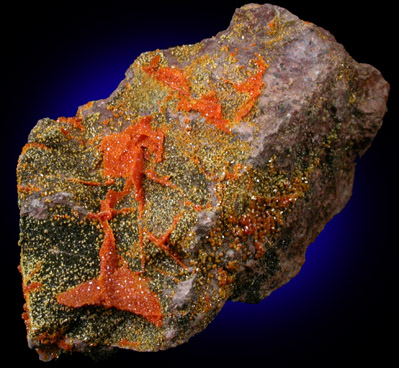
(323, 300)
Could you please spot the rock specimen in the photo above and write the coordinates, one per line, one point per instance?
(202, 178)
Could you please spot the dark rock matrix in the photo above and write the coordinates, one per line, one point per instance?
(202, 178)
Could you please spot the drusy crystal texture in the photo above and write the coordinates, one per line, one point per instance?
(203, 178)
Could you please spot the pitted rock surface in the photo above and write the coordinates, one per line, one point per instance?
(203, 178)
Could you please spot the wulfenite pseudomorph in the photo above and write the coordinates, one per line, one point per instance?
(203, 178)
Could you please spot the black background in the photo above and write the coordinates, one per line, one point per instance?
(57, 56)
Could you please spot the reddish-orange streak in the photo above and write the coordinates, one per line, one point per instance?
(75, 121)
(164, 180)
(34, 144)
(252, 86)
(124, 155)
(174, 78)
(161, 242)
(117, 286)
(28, 188)
(208, 105)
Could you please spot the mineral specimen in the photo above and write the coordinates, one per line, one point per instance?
(202, 178)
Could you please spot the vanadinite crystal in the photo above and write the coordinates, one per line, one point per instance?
(203, 178)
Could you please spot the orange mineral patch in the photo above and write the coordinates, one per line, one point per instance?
(174, 78)
(252, 87)
(124, 156)
(116, 286)
(76, 122)
(28, 188)
(34, 145)
(208, 105)
(125, 153)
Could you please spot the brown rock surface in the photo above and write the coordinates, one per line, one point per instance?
(202, 178)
